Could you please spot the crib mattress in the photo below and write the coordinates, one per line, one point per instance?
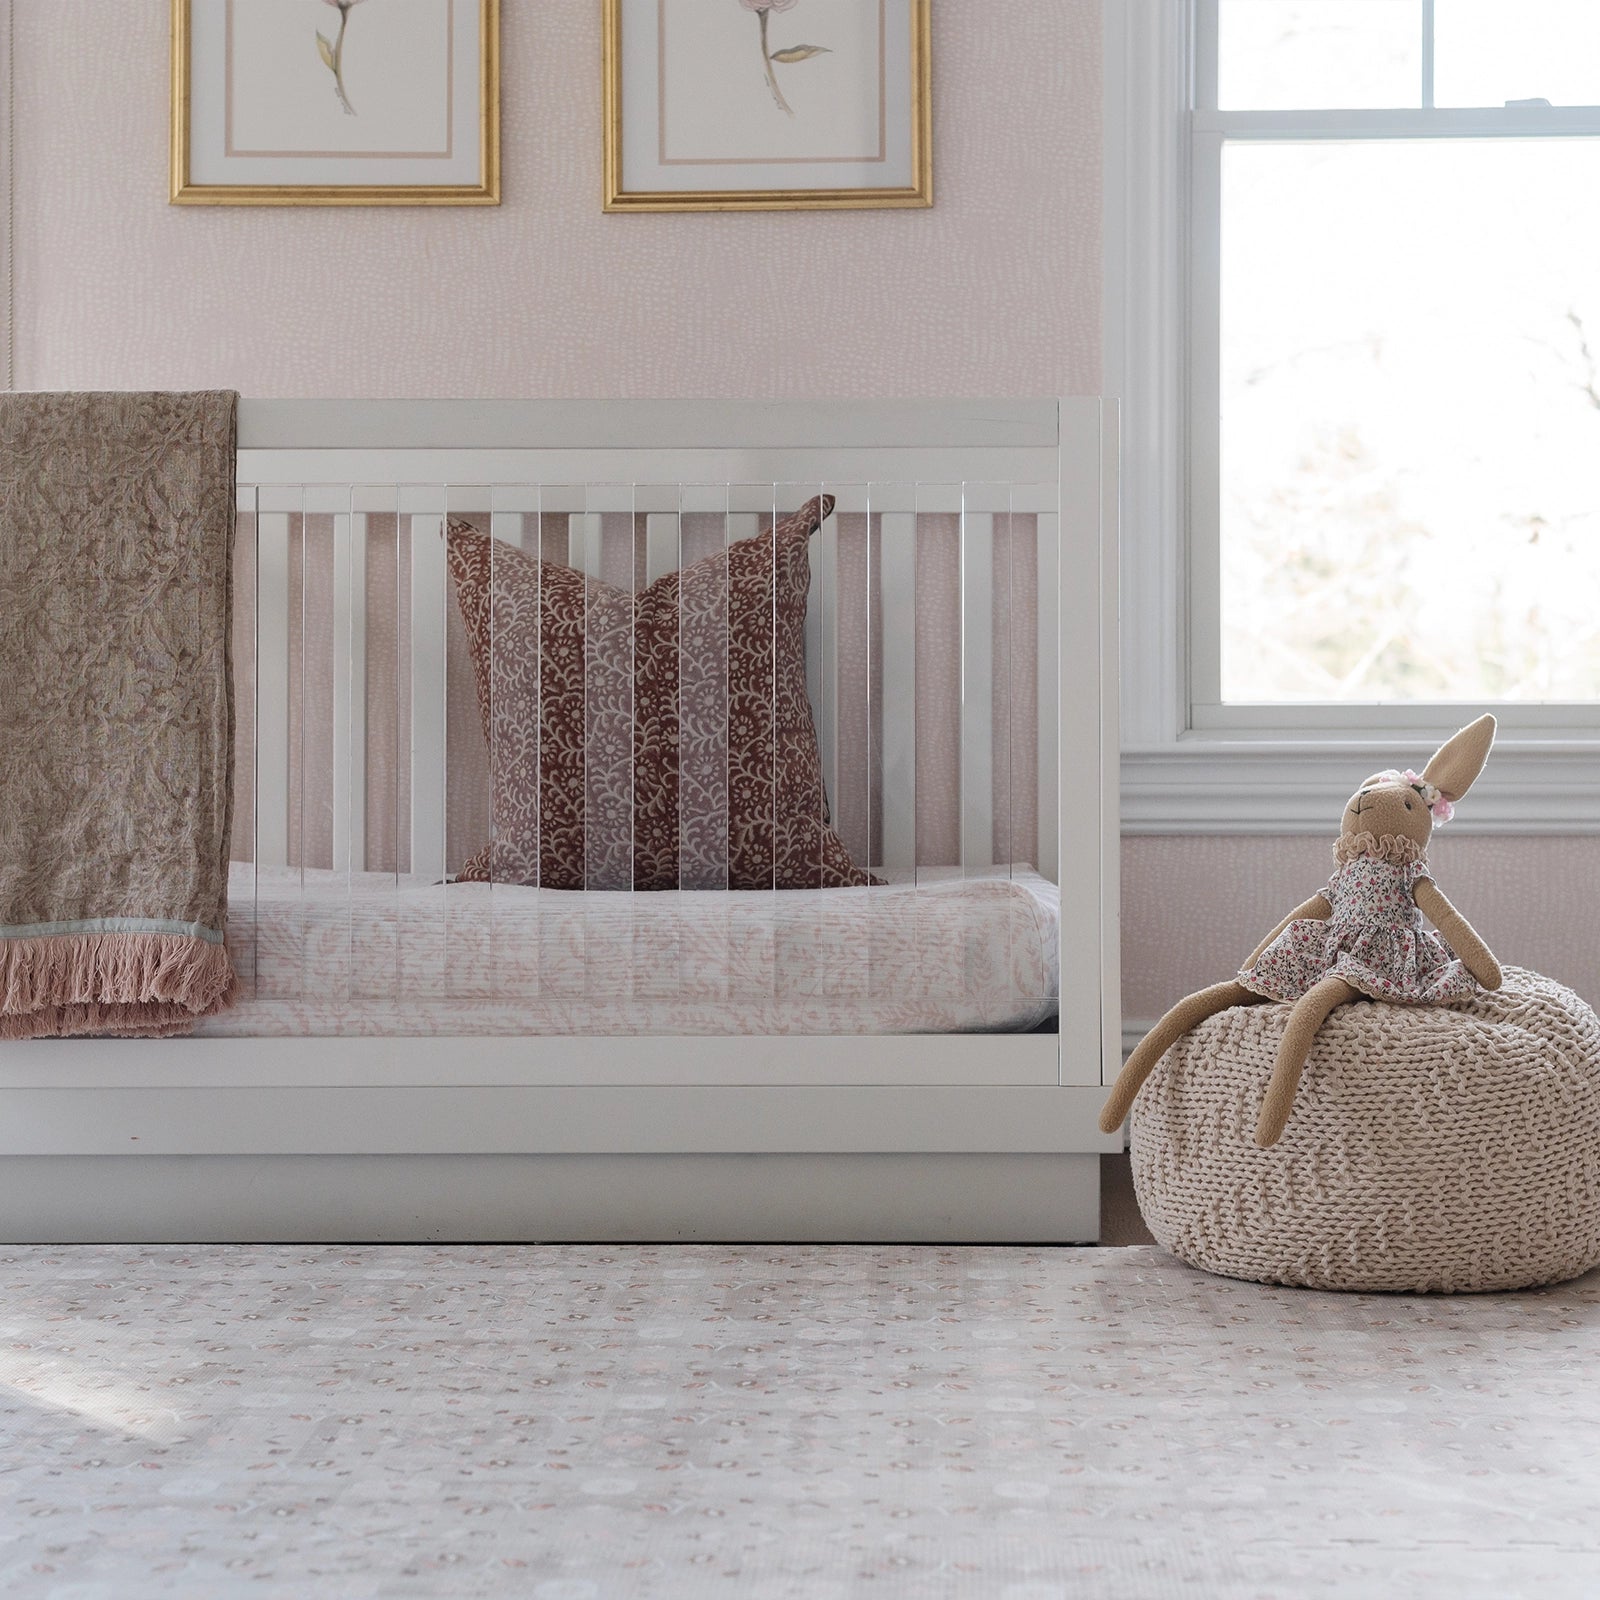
(324, 953)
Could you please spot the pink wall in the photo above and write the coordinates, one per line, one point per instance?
(1193, 907)
(995, 291)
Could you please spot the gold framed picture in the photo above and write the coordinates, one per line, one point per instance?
(336, 102)
(767, 105)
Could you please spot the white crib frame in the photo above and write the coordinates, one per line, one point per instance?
(938, 1137)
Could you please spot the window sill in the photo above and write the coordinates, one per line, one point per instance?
(1204, 784)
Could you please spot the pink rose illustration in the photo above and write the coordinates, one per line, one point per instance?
(771, 58)
(332, 51)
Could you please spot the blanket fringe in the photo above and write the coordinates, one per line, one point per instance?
(132, 985)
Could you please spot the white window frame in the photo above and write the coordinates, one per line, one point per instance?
(1191, 764)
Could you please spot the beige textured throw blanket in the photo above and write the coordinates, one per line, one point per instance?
(116, 711)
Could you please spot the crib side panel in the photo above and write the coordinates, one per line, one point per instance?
(952, 653)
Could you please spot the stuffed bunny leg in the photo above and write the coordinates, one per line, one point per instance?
(1457, 932)
(1188, 1013)
(1310, 1012)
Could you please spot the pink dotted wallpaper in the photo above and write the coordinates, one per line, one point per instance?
(1193, 906)
(995, 291)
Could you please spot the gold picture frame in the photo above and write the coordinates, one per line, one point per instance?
(480, 188)
(911, 136)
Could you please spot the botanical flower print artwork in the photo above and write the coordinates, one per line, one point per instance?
(650, 741)
(772, 58)
(332, 51)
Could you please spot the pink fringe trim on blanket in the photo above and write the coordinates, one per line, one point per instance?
(130, 985)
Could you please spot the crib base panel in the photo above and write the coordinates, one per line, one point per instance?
(865, 1199)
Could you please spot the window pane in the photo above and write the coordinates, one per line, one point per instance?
(1489, 51)
(1410, 395)
(1275, 55)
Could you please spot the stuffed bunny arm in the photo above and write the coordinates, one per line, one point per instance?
(1457, 932)
(1317, 909)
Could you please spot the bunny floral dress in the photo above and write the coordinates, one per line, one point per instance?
(1374, 940)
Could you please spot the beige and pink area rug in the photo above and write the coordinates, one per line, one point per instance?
(778, 1423)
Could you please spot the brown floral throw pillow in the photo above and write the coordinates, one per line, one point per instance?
(652, 741)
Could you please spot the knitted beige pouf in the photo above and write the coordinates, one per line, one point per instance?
(1430, 1148)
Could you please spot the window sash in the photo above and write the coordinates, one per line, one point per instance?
(1209, 130)
(1205, 33)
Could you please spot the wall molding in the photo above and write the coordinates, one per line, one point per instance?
(1144, 338)
(1201, 786)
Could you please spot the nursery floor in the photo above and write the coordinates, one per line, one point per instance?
(811, 1423)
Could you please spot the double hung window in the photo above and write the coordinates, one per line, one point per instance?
(1394, 403)
(1353, 315)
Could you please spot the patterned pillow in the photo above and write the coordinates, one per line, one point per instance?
(651, 741)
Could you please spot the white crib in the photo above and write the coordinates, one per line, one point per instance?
(424, 1095)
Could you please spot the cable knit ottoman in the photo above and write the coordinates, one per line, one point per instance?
(1430, 1148)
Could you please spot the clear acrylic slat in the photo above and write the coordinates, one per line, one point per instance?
(930, 679)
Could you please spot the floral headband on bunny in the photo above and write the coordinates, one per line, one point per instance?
(1432, 796)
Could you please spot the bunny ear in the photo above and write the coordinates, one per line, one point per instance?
(1460, 759)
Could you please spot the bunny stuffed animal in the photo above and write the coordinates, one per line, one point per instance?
(1361, 936)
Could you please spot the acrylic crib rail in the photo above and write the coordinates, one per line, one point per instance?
(931, 657)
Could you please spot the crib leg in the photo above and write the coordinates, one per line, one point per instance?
(1188, 1013)
(1310, 1012)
